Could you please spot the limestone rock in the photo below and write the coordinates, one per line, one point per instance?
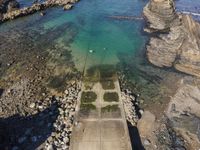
(179, 47)
(160, 14)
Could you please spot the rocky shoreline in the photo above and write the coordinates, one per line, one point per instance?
(130, 102)
(171, 130)
(60, 138)
(15, 12)
(63, 117)
(39, 86)
(177, 40)
(174, 42)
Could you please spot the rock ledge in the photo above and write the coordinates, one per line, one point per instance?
(177, 43)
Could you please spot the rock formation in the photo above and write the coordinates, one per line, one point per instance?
(183, 111)
(7, 6)
(13, 13)
(177, 43)
(160, 14)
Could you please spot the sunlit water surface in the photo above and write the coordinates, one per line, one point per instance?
(93, 29)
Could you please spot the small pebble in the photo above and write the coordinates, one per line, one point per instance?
(32, 105)
(147, 142)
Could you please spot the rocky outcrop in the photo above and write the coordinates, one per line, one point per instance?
(160, 14)
(183, 112)
(67, 4)
(8, 5)
(179, 44)
(23, 12)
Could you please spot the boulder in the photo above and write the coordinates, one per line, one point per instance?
(67, 7)
(146, 124)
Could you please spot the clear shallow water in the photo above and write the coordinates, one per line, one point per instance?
(93, 29)
(96, 31)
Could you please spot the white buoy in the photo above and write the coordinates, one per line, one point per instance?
(91, 51)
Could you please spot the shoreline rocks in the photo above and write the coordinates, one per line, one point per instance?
(48, 124)
(10, 15)
(8, 5)
(60, 138)
(183, 111)
(177, 43)
(129, 108)
(160, 14)
(130, 102)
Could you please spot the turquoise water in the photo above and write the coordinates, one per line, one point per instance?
(97, 32)
(87, 26)
(93, 29)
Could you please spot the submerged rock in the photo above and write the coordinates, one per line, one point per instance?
(67, 7)
(42, 13)
(179, 45)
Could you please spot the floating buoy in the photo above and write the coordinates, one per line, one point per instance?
(91, 51)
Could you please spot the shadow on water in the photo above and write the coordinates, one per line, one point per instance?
(101, 72)
(17, 132)
(135, 137)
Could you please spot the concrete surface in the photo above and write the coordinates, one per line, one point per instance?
(97, 130)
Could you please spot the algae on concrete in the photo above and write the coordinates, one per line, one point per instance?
(110, 108)
(111, 97)
(88, 97)
(107, 84)
(87, 107)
